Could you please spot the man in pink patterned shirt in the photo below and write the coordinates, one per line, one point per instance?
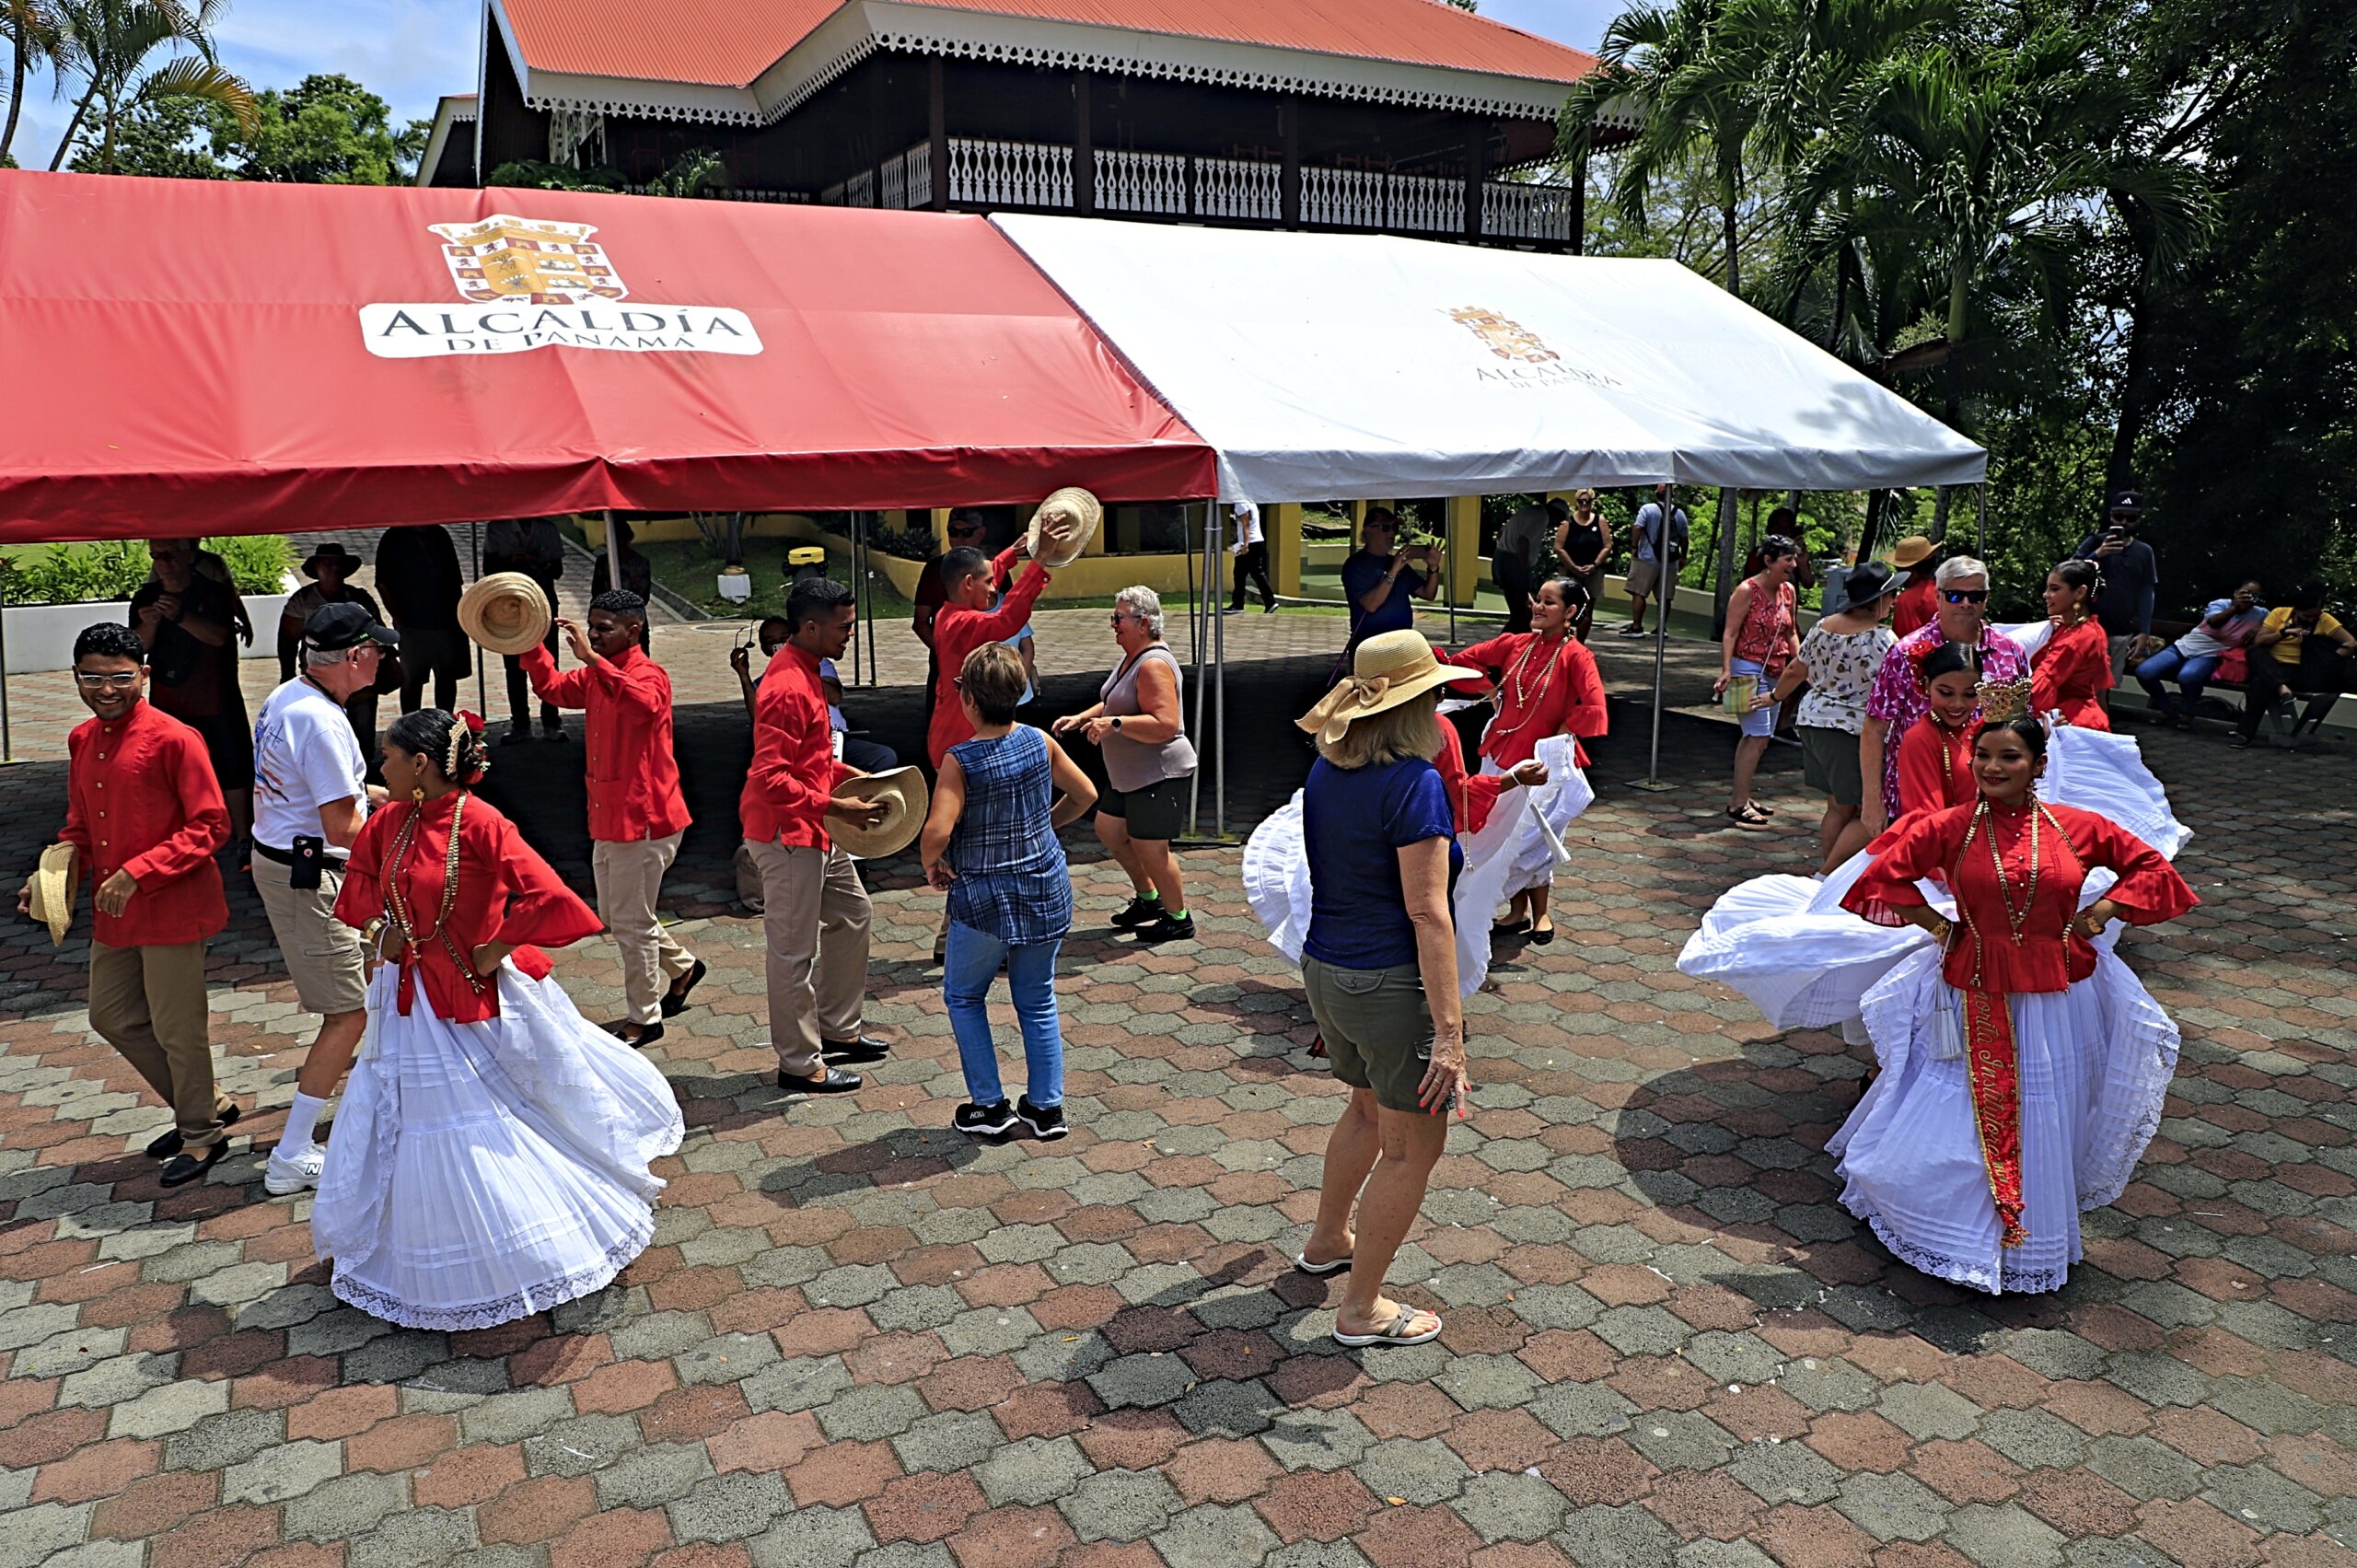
(1898, 699)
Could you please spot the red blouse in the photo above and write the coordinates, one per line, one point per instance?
(1918, 606)
(1472, 797)
(1934, 767)
(1543, 690)
(506, 893)
(1983, 954)
(2070, 671)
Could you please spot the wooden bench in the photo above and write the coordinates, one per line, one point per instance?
(2296, 716)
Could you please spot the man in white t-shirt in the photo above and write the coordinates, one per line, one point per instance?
(1250, 547)
(312, 795)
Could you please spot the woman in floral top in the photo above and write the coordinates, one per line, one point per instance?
(1838, 661)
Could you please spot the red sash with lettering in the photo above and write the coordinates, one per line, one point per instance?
(1995, 1079)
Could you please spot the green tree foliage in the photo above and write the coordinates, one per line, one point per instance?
(35, 40)
(329, 130)
(128, 55)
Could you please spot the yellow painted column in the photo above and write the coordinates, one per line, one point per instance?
(1281, 524)
(940, 529)
(1465, 560)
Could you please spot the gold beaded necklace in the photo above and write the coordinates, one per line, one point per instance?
(402, 914)
(1517, 682)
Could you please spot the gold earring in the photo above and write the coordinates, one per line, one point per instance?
(417, 794)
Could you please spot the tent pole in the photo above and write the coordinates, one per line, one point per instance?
(8, 744)
(1448, 565)
(1215, 575)
(1652, 782)
(1980, 527)
(1195, 628)
(475, 543)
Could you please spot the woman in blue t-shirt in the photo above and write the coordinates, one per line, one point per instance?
(1379, 963)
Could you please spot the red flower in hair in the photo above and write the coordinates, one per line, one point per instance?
(473, 721)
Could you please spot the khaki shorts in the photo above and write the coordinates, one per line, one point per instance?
(1378, 1029)
(1644, 577)
(323, 955)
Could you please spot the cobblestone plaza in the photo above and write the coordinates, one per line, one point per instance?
(862, 1339)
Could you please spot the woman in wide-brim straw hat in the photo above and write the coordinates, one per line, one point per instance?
(1379, 962)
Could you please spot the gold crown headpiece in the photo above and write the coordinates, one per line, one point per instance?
(2003, 700)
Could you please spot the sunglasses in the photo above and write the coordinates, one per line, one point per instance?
(1965, 596)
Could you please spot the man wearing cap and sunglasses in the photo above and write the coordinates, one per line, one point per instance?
(1898, 698)
(312, 795)
(2131, 581)
(146, 815)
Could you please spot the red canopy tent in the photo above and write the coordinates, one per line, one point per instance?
(199, 357)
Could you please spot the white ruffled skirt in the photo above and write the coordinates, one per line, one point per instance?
(1512, 851)
(2093, 1064)
(1806, 963)
(483, 1172)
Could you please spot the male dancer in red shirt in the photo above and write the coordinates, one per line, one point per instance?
(816, 913)
(967, 622)
(144, 812)
(636, 813)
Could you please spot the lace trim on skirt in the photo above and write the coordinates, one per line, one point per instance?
(507, 1308)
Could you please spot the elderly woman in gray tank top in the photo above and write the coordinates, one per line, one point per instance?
(1140, 726)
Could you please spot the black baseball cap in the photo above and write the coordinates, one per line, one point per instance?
(335, 627)
(2130, 502)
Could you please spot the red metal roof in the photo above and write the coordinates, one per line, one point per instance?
(730, 43)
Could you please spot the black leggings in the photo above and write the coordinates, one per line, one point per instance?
(2319, 670)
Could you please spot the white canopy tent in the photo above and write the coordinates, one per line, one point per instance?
(1327, 366)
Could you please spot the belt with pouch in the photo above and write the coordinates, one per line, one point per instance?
(286, 856)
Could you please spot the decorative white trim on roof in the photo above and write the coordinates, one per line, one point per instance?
(860, 28)
(453, 110)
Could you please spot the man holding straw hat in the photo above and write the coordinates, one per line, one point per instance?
(1060, 530)
(815, 910)
(636, 812)
(145, 814)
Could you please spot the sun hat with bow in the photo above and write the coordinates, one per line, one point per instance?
(1388, 670)
(1062, 525)
(900, 789)
(506, 613)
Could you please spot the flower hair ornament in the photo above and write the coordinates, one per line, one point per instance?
(455, 753)
(2002, 701)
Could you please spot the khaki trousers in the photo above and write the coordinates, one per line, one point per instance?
(630, 878)
(814, 913)
(148, 1003)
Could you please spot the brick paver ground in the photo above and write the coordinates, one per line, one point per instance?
(861, 1340)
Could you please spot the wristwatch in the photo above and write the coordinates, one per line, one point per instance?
(1117, 721)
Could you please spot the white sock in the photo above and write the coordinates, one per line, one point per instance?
(301, 1118)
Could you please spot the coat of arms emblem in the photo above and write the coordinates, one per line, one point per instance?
(1507, 338)
(528, 261)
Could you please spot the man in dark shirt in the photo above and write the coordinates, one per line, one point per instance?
(966, 528)
(532, 546)
(2131, 581)
(1382, 582)
(187, 623)
(418, 577)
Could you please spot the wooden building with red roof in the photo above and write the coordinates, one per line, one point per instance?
(1390, 116)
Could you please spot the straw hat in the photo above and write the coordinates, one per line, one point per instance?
(506, 613)
(1911, 550)
(1063, 527)
(903, 790)
(1389, 670)
(53, 883)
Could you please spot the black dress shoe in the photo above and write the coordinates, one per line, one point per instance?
(167, 1143)
(675, 1001)
(183, 1168)
(834, 1081)
(638, 1037)
(867, 1047)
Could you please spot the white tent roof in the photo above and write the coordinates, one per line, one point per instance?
(1341, 366)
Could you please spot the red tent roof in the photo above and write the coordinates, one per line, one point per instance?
(730, 43)
(192, 356)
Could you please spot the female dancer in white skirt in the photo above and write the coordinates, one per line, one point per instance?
(491, 1160)
(1545, 685)
(2023, 1069)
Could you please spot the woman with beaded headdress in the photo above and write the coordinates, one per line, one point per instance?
(1545, 684)
(2023, 1066)
(491, 1159)
(2072, 669)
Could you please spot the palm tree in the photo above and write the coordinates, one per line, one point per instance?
(1690, 71)
(1982, 157)
(108, 44)
(30, 27)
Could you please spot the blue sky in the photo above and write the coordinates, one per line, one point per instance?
(412, 51)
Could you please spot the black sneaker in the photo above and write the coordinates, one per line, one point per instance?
(1046, 1125)
(1167, 928)
(983, 1120)
(1138, 912)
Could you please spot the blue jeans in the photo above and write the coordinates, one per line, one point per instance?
(2191, 671)
(968, 969)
